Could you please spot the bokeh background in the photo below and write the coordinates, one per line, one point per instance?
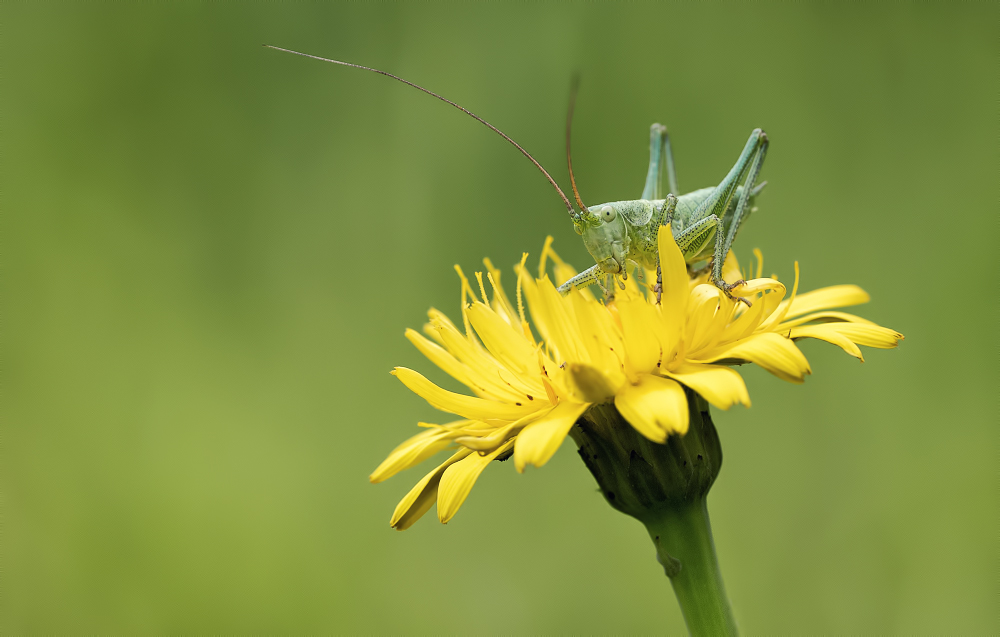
(211, 251)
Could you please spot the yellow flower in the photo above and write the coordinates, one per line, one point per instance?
(527, 393)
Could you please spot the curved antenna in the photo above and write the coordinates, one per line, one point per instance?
(569, 206)
(569, 126)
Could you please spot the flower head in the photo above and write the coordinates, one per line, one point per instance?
(528, 391)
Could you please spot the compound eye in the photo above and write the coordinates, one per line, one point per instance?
(607, 214)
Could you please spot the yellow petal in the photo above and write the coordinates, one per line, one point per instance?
(746, 321)
(675, 296)
(674, 273)
(778, 315)
(656, 407)
(589, 384)
(442, 358)
(708, 314)
(465, 406)
(822, 317)
(490, 440)
(459, 478)
(865, 334)
(507, 344)
(639, 325)
(721, 386)
(438, 318)
(501, 303)
(483, 369)
(538, 441)
(829, 336)
(555, 320)
(414, 451)
(421, 497)
(869, 335)
(770, 292)
(771, 351)
(603, 334)
(826, 298)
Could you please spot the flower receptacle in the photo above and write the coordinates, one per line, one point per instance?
(664, 486)
(646, 479)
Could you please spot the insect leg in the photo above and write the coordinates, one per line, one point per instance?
(660, 155)
(742, 211)
(654, 175)
(591, 275)
(671, 171)
(745, 170)
(693, 241)
(727, 221)
(668, 216)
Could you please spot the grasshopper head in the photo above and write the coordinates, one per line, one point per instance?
(606, 237)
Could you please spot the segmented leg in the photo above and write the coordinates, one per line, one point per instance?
(744, 173)
(660, 155)
(727, 221)
(591, 275)
(693, 240)
(665, 220)
(748, 192)
(671, 171)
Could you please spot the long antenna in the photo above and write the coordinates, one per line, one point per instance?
(573, 213)
(569, 127)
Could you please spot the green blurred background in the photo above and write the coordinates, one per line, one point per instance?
(211, 251)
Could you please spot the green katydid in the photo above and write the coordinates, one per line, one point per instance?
(623, 234)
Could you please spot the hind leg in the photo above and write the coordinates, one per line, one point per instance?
(660, 156)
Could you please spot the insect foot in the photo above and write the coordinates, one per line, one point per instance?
(728, 289)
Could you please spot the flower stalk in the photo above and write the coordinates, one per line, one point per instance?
(684, 546)
(665, 486)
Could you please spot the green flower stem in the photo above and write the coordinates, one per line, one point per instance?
(664, 486)
(684, 546)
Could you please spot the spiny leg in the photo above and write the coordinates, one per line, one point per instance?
(668, 216)
(671, 171)
(660, 155)
(591, 275)
(745, 170)
(654, 175)
(749, 191)
(693, 240)
(750, 207)
(716, 267)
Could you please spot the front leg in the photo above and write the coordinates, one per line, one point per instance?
(669, 206)
(591, 275)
